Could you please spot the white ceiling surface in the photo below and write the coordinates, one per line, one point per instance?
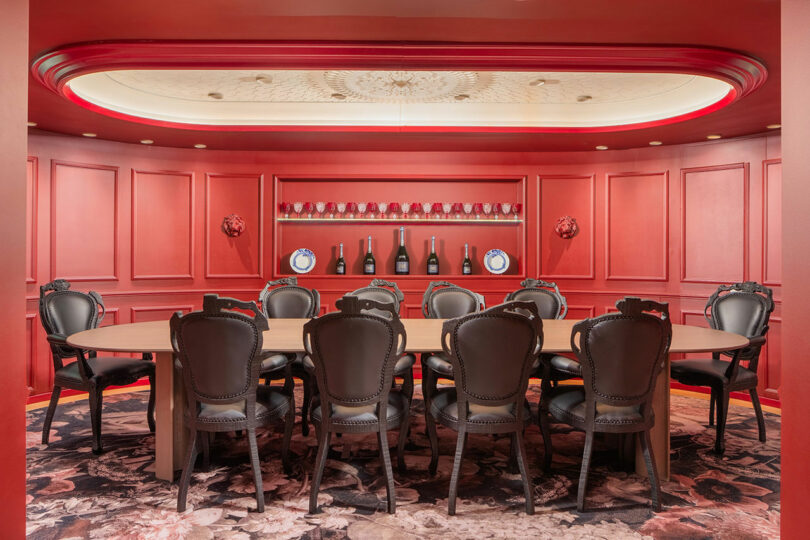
(399, 98)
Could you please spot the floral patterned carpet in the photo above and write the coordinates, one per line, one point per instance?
(74, 494)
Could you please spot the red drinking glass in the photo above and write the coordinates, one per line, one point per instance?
(496, 209)
(394, 208)
(371, 208)
(516, 208)
(309, 208)
(458, 208)
(478, 209)
(285, 208)
(330, 209)
(351, 208)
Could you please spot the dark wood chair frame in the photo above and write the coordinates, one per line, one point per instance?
(295, 369)
(199, 430)
(93, 383)
(352, 307)
(629, 308)
(516, 397)
(720, 392)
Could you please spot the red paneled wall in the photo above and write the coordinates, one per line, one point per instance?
(142, 225)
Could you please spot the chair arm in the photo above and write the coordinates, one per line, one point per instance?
(757, 341)
(58, 339)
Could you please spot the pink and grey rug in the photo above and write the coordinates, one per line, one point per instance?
(75, 494)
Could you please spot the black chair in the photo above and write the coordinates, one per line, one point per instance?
(354, 354)
(621, 355)
(219, 351)
(443, 300)
(492, 353)
(384, 291)
(551, 305)
(745, 309)
(64, 312)
(285, 299)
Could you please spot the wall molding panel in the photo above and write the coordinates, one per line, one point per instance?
(161, 312)
(643, 234)
(772, 222)
(32, 178)
(162, 225)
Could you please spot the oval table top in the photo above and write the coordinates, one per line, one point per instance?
(285, 335)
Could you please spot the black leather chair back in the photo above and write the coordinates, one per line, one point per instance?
(290, 301)
(741, 308)
(443, 300)
(385, 292)
(546, 295)
(66, 312)
(492, 353)
(354, 351)
(219, 350)
(623, 353)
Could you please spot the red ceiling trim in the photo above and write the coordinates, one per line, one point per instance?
(55, 68)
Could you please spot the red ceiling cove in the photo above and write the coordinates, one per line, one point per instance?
(750, 29)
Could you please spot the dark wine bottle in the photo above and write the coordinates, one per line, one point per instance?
(340, 266)
(466, 266)
(369, 265)
(433, 259)
(402, 264)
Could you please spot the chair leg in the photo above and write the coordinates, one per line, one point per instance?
(257, 469)
(451, 500)
(317, 472)
(402, 437)
(722, 417)
(545, 431)
(528, 490)
(652, 470)
(760, 416)
(96, 396)
(407, 385)
(430, 427)
(205, 440)
(583, 473)
(712, 402)
(382, 438)
(46, 426)
(289, 422)
(150, 409)
(185, 478)
(307, 383)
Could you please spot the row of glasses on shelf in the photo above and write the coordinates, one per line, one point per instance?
(395, 210)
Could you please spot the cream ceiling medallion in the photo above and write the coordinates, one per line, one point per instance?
(237, 86)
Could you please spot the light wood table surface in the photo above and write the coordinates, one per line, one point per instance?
(285, 335)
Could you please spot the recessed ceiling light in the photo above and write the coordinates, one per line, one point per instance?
(537, 82)
(583, 98)
(199, 145)
(337, 95)
(215, 95)
(31, 124)
(91, 135)
(462, 97)
(147, 141)
(713, 136)
(601, 147)
(656, 143)
(769, 126)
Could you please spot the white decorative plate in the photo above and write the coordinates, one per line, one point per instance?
(496, 261)
(302, 260)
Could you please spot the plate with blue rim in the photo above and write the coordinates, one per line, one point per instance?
(302, 260)
(496, 261)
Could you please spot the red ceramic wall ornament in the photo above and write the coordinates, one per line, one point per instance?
(566, 227)
(233, 225)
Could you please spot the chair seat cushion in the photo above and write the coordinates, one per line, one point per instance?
(112, 368)
(365, 414)
(270, 403)
(272, 361)
(404, 364)
(568, 405)
(565, 365)
(444, 406)
(439, 363)
(707, 371)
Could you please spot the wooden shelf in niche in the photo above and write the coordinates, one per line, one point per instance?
(397, 221)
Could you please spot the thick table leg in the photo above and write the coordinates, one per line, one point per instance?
(170, 436)
(660, 431)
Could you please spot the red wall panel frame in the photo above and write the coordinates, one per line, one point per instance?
(639, 228)
(257, 226)
(540, 220)
(55, 68)
(31, 206)
(90, 224)
(156, 241)
(720, 249)
(770, 275)
(31, 351)
(134, 310)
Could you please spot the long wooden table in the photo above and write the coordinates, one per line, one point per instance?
(285, 335)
